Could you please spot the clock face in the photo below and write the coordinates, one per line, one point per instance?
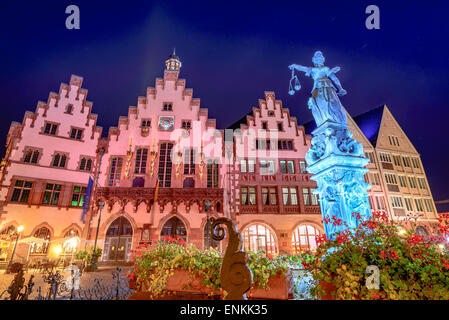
(166, 122)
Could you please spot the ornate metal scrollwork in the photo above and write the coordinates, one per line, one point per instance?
(235, 276)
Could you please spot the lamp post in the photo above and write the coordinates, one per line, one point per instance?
(207, 205)
(19, 230)
(94, 258)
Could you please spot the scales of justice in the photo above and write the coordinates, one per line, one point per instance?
(335, 159)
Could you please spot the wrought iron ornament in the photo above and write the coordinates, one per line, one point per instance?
(235, 276)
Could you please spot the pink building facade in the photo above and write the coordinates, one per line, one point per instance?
(164, 170)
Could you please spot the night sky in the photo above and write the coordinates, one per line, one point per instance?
(231, 54)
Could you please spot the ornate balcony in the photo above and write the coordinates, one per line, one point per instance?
(174, 196)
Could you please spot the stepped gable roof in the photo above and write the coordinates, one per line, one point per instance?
(236, 125)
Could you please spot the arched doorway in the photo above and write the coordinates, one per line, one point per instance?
(173, 228)
(118, 240)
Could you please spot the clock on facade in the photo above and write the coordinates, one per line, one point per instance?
(166, 122)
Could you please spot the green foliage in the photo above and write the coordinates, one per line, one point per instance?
(154, 266)
(86, 255)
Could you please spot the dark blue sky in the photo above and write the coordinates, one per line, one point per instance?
(232, 52)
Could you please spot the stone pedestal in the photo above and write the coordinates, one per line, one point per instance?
(337, 163)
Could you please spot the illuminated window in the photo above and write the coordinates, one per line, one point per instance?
(419, 207)
(422, 183)
(306, 196)
(428, 204)
(397, 202)
(408, 204)
(269, 196)
(304, 238)
(259, 237)
(78, 196)
(212, 173)
(385, 157)
(412, 182)
(302, 166)
(248, 195)
(289, 196)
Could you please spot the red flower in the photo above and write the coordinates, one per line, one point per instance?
(356, 215)
(320, 239)
(343, 237)
(446, 263)
(306, 265)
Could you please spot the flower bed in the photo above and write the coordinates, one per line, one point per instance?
(410, 266)
(175, 266)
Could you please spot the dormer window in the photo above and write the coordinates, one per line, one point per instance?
(167, 107)
(50, 128)
(280, 127)
(146, 123)
(69, 108)
(264, 125)
(186, 124)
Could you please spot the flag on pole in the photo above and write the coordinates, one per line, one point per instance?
(87, 199)
(153, 208)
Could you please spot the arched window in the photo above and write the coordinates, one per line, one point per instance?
(259, 237)
(41, 247)
(173, 228)
(8, 231)
(303, 238)
(120, 227)
(71, 233)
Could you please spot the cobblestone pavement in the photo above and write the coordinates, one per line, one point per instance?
(86, 279)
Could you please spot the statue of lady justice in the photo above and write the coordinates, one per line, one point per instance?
(324, 103)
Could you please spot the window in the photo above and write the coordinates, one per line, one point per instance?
(370, 156)
(21, 191)
(408, 204)
(51, 194)
(289, 196)
(391, 178)
(406, 161)
(385, 157)
(69, 108)
(374, 177)
(264, 125)
(41, 247)
(85, 164)
(146, 123)
(189, 161)
(402, 181)
(212, 174)
(280, 127)
(287, 166)
(394, 141)
(248, 196)
(412, 182)
(422, 183)
(380, 202)
(267, 167)
(269, 196)
(259, 237)
(306, 196)
(50, 128)
(419, 207)
(428, 204)
(304, 238)
(271, 113)
(31, 156)
(314, 197)
(141, 160)
(283, 166)
(243, 166)
(251, 165)
(397, 160)
(59, 160)
(285, 145)
(263, 144)
(76, 134)
(78, 196)
(302, 166)
(415, 162)
(167, 107)
(115, 171)
(186, 124)
(397, 202)
(165, 165)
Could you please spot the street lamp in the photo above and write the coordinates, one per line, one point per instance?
(94, 258)
(19, 230)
